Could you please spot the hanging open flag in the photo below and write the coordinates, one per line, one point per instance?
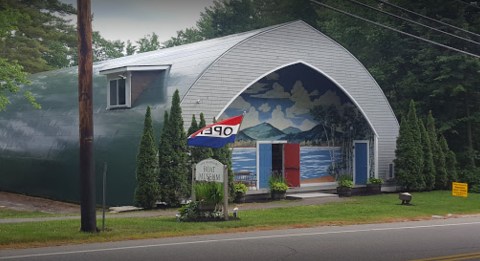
(216, 135)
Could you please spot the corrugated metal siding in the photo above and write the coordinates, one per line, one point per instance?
(268, 51)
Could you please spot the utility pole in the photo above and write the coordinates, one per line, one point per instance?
(85, 108)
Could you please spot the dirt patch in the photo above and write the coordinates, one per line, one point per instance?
(27, 203)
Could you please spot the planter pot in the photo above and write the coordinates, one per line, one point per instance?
(374, 189)
(239, 197)
(344, 191)
(277, 195)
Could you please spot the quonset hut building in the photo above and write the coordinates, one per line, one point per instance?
(277, 75)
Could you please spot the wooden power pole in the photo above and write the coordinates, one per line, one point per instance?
(85, 107)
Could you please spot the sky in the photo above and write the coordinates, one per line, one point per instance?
(284, 99)
(131, 20)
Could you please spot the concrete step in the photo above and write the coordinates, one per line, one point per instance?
(310, 195)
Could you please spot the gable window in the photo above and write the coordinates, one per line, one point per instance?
(117, 93)
(125, 84)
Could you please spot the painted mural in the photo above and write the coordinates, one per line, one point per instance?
(299, 105)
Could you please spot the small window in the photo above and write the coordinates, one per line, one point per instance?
(117, 93)
(391, 171)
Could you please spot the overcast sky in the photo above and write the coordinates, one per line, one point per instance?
(131, 20)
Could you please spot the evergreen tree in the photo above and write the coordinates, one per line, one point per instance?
(193, 126)
(164, 153)
(148, 190)
(404, 154)
(438, 155)
(450, 162)
(416, 150)
(428, 166)
(173, 157)
(38, 37)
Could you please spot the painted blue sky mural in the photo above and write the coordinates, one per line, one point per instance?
(284, 99)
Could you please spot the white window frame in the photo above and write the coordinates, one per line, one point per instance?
(127, 78)
(116, 73)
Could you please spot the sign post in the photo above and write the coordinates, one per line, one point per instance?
(225, 192)
(212, 170)
(459, 189)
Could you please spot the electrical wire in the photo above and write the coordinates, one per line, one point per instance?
(396, 30)
(429, 18)
(414, 22)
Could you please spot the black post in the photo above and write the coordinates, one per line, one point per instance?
(85, 100)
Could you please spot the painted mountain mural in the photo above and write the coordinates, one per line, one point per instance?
(266, 131)
(299, 105)
(263, 131)
(291, 130)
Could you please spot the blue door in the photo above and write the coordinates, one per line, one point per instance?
(361, 162)
(264, 164)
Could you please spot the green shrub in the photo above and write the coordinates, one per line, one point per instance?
(472, 178)
(277, 183)
(190, 211)
(209, 192)
(345, 181)
(373, 180)
(240, 188)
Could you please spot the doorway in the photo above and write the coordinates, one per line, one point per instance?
(360, 162)
(278, 157)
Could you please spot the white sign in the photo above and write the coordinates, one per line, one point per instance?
(209, 170)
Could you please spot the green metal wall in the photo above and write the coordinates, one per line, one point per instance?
(39, 148)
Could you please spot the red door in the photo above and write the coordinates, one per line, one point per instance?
(292, 164)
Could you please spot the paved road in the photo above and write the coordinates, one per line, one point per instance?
(451, 239)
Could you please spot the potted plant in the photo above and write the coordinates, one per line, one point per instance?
(345, 185)
(209, 195)
(240, 191)
(374, 185)
(278, 187)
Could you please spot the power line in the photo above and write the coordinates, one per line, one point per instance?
(396, 30)
(414, 22)
(429, 18)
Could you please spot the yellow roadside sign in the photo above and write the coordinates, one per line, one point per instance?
(459, 189)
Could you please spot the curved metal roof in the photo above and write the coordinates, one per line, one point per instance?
(277, 47)
(187, 61)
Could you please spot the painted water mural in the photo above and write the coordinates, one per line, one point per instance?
(297, 104)
(314, 162)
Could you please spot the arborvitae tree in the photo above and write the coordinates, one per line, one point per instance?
(164, 159)
(438, 155)
(417, 157)
(404, 157)
(147, 191)
(428, 166)
(450, 162)
(193, 126)
(173, 156)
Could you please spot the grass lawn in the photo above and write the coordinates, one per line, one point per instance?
(362, 209)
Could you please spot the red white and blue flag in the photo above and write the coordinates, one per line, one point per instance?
(216, 135)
